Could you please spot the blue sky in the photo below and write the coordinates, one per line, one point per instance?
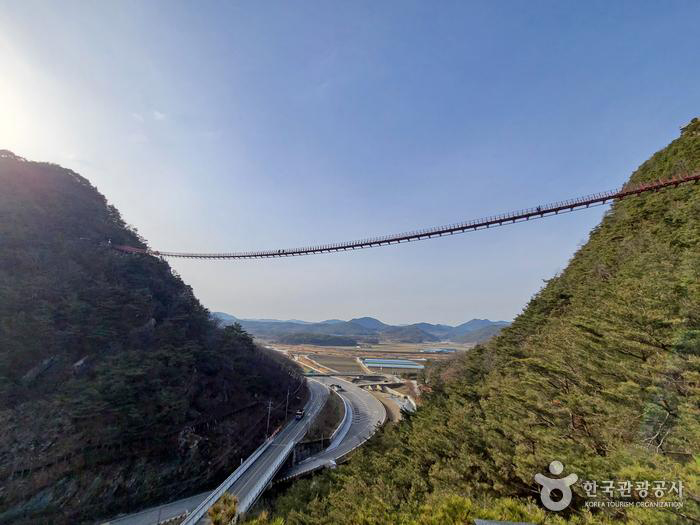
(221, 126)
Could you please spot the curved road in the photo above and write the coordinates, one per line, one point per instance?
(257, 475)
(367, 415)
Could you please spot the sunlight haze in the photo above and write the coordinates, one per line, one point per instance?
(242, 127)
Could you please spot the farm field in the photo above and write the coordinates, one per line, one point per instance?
(342, 359)
(389, 350)
(338, 363)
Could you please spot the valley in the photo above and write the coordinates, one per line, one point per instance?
(349, 263)
(365, 331)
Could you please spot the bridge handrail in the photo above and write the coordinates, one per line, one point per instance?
(205, 505)
(212, 498)
(344, 425)
(260, 485)
(461, 227)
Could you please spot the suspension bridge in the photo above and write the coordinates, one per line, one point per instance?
(512, 217)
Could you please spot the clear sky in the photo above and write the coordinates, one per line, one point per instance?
(225, 126)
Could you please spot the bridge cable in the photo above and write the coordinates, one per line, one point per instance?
(546, 210)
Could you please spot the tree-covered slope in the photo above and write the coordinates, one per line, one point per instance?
(600, 371)
(116, 388)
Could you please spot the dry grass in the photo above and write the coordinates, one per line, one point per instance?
(328, 419)
(341, 364)
(389, 350)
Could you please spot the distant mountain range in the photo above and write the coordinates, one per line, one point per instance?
(368, 329)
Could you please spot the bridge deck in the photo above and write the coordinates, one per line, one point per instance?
(438, 231)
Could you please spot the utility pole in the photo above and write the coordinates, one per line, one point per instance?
(269, 407)
(286, 404)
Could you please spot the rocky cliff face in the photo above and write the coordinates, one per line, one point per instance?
(116, 388)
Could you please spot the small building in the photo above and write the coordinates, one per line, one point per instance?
(373, 362)
(438, 351)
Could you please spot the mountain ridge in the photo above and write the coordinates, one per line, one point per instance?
(87, 335)
(473, 331)
(599, 372)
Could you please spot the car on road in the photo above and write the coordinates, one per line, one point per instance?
(299, 414)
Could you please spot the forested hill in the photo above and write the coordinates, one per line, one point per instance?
(601, 371)
(116, 388)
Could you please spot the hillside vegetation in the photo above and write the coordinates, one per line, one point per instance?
(600, 371)
(116, 388)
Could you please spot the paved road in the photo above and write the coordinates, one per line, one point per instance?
(256, 475)
(367, 415)
(263, 470)
(155, 515)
